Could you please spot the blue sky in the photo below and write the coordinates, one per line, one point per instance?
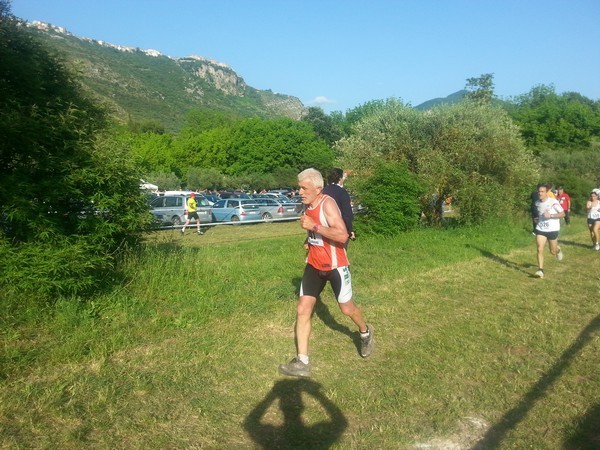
(339, 54)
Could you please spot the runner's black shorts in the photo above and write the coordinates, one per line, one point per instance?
(550, 235)
(314, 281)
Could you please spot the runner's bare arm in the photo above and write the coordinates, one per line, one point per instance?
(336, 229)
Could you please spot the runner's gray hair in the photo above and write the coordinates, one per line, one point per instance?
(312, 175)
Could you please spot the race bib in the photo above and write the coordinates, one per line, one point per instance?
(543, 225)
(315, 239)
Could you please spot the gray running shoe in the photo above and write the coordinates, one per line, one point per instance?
(182, 231)
(539, 274)
(366, 343)
(295, 368)
(200, 232)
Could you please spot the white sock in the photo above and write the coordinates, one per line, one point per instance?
(303, 358)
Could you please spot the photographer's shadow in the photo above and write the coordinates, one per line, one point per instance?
(284, 420)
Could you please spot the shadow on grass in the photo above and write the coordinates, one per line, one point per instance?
(586, 434)
(494, 436)
(322, 312)
(574, 244)
(288, 428)
(505, 262)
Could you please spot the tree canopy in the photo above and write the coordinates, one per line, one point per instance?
(324, 125)
(236, 148)
(481, 89)
(550, 119)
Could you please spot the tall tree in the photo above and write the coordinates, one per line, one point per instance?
(323, 125)
(44, 123)
(4, 9)
(481, 89)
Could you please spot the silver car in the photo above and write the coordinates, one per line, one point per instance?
(236, 210)
(275, 209)
(172, 209)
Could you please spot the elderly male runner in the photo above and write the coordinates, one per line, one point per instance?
(326, 261)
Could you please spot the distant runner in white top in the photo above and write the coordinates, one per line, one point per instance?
(549, 214)
(593, 218)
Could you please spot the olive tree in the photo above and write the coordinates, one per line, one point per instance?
(470, 151)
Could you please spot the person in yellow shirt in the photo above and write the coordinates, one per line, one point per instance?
(192, 208)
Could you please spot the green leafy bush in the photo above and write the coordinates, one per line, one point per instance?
(50, 266)
(69, 194)
(576, 169)
(392, 195)
(479, 197)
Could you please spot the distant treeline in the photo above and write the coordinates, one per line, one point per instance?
(214, 150)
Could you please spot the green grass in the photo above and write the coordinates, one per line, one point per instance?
(184, 353)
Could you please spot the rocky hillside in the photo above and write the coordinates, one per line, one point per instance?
(145, 85)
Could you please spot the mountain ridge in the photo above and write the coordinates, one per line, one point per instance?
(455, 97)
(146, 85)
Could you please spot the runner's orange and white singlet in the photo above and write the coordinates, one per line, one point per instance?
(323, 253)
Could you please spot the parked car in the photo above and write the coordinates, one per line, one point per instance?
(172, 209)
(236, 194)
(279, 191)
(357, 206)
(271, 208)
(236, 210)
(297, 202)
(281, 197)
(212, 198)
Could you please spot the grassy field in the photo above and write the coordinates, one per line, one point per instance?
(472, 352)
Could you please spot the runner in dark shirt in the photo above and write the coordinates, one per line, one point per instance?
(336, 190)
